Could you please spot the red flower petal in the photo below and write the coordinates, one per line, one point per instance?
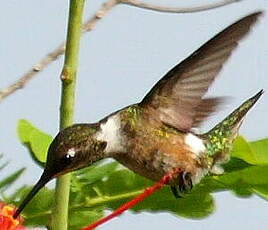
(7, 222)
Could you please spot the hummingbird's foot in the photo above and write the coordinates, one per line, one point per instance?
(185, 185)
(175, 192)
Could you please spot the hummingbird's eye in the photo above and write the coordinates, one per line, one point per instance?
(70, 154)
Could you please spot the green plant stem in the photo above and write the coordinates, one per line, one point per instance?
(59, 217)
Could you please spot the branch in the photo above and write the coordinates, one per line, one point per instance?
(90, 25)
(44, 62)
(105, 8)
(164, 9)
(52, 56)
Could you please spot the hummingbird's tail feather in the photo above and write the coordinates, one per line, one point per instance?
(234, 120)
(220, 138)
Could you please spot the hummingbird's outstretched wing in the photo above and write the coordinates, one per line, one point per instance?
(177, 99)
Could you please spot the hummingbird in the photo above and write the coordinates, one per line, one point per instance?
(157, 135)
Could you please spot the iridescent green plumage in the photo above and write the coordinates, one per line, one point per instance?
(219, 139)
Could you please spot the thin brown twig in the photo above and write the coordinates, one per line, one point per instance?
(90, 25)
(52, 56)
(105, 8)
(165, 9)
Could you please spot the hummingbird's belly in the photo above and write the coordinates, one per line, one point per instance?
(143, 168)
(152, 150)
(154, 163)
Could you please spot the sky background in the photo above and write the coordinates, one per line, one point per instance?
(128, 52)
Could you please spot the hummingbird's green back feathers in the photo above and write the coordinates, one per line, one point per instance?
(220, 138)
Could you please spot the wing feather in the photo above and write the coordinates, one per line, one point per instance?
(178, 97)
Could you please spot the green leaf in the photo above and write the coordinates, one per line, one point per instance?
(235, 164)
(245, 182)
(242, 150)
(261, 190)
(79, 219)
(194, 205)
(254, 175)
(16, 195)
(260, 149)
(3, 165)
(198, 204)
(92, 174)
(123, 181)
(9, 180)
(35, 140)
(37, 212)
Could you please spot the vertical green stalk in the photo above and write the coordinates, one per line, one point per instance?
(59, 218)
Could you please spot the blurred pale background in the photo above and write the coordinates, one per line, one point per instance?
(129, 50)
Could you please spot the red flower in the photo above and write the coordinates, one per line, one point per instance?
(7, 222)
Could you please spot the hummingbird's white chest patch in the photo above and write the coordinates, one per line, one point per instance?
(110, 132)
(195, 144)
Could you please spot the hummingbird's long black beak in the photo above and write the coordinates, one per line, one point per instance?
(40, 184)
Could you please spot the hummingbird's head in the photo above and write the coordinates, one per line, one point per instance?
(73, 148)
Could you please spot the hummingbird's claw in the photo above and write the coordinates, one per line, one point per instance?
(175, 192)
(185, 185)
